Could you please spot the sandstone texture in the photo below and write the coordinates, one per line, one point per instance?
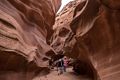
(89, 30)
(25, 30)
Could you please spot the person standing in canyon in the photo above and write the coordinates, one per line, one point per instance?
(65, 59)
(60, 66)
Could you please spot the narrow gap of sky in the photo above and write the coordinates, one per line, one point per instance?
(64, 2)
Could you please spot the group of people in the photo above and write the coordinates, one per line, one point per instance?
(61, 64)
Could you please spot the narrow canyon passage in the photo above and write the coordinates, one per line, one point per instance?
(32, 33)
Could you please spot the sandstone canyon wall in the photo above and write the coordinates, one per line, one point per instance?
(25, 30)
(89, 30)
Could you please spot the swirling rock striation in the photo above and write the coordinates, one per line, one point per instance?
(91, 34)
(25, 30)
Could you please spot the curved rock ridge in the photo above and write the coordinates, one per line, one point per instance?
(90, 32)
(61, 27)
(25, 30)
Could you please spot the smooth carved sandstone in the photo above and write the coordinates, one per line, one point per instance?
(93, 36)
(25, 30)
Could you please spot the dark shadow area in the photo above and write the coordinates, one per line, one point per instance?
(85, 69)
(14, 66)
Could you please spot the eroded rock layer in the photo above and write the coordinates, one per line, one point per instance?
(25, 30)
(89, 30)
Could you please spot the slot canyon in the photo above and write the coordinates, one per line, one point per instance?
(32, 32)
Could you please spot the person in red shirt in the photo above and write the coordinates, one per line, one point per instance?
(65, 63)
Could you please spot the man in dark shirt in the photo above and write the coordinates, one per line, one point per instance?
(60, 65)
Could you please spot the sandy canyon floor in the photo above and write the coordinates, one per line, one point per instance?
(69, 75)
